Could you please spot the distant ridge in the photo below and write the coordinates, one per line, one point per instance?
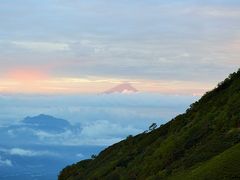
(46, 123)
(122, 88)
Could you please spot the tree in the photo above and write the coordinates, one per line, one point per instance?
(152, 127)
(130, 137)
(93, 156)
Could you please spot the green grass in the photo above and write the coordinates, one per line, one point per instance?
(223, 166)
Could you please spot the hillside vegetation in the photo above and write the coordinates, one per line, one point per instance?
(203, 143)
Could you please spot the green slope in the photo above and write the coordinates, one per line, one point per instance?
(184, 147)
(223, 166)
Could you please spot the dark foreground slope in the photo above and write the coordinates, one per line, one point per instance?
(203, 143)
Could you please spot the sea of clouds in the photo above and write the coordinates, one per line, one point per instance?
(96, 121)
(102, 119)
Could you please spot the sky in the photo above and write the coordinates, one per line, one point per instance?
(78, 46)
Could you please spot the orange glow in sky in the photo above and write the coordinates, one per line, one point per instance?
(26, 75)
(35, 81)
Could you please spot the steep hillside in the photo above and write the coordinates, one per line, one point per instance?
(224, 166)
(199, 144)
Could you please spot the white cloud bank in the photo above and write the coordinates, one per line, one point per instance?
(26, 152)
(100, 132)
(30, 153)
(97, 119)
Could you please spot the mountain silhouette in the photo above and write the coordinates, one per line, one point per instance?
(122, 88)
(29, 129)
(47, 123)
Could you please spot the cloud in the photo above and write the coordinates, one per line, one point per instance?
(213, 11)
(30, 153)
(41, 46)
(80, 155)
(102, 128)
(97, 119)
(99, 132)
(137, 110)
(5, 162)
(135, 39)
(88, 136)
(27, 153)
(25, 75)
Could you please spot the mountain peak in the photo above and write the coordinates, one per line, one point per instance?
(122, 88)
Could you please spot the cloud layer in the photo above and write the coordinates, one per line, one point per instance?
(96, 119)
(5, 162)
(26, 152)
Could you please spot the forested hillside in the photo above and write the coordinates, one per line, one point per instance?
(202, 143)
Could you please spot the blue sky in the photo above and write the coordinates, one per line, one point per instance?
(189, 43)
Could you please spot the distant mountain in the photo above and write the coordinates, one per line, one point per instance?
(34, 148)
(122, 88)
(203, 143)
(37, 129)
(47, 123)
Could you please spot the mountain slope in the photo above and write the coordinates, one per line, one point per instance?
(224, 166)
(196, 139)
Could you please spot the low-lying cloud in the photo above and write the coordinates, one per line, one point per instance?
(95, 133)
(26, 152)
(95, 119)
(5, 162)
